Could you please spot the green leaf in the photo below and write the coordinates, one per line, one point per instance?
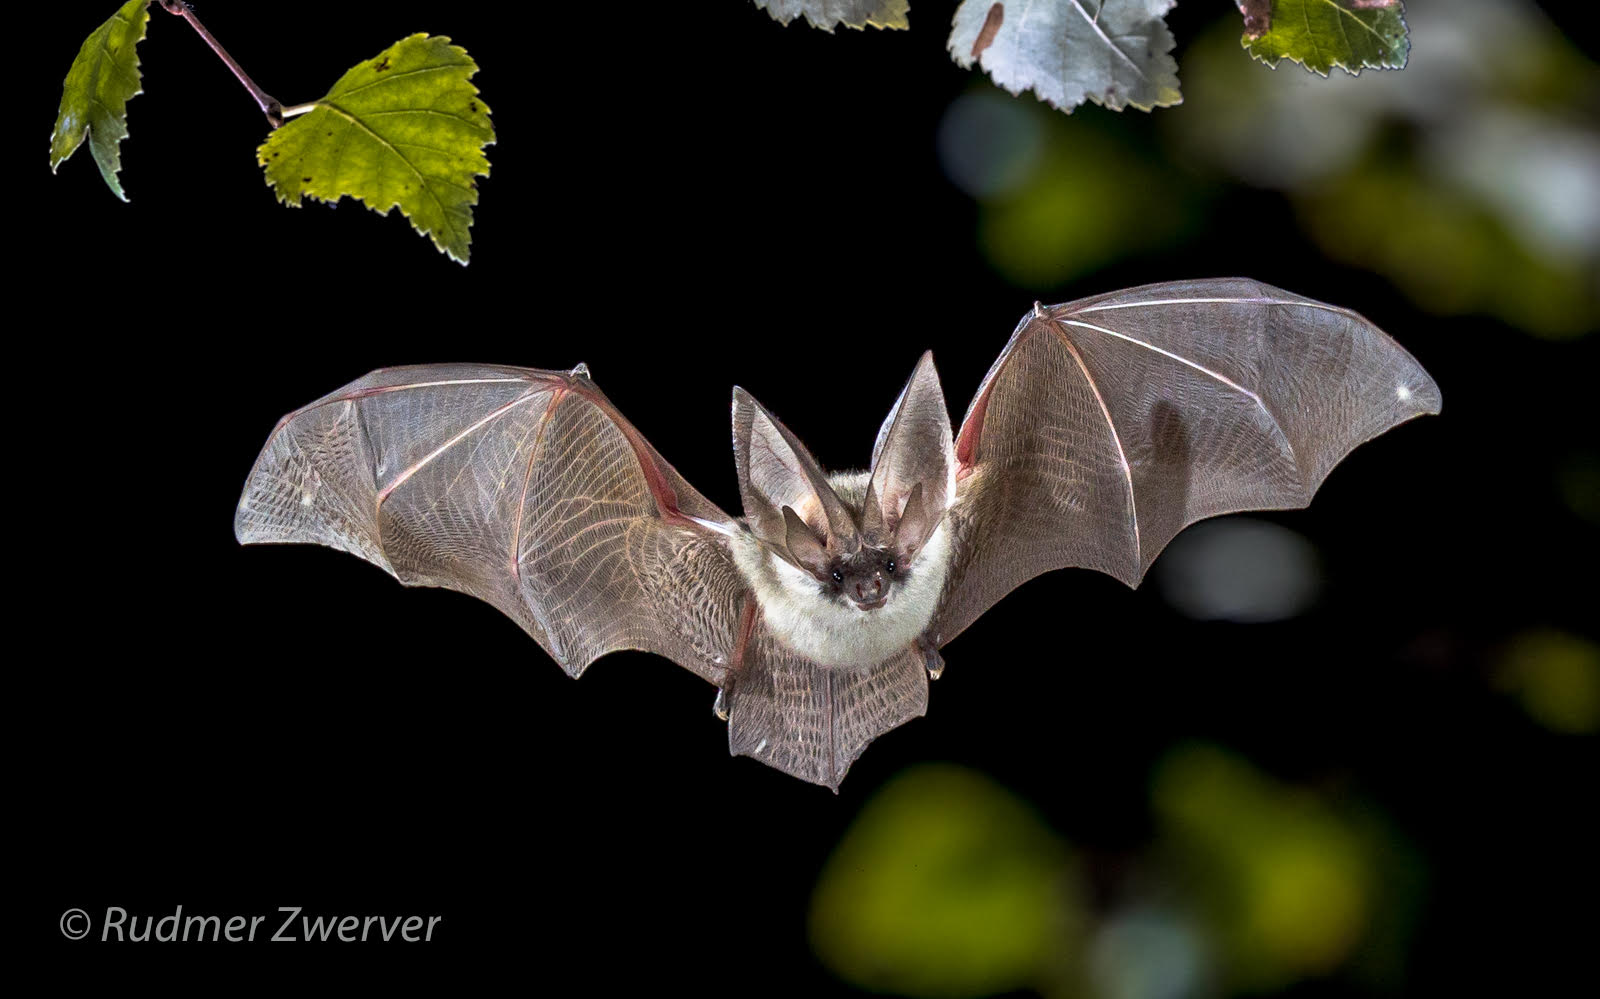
(1112, 52)
(825, 14)
(405, 129)
(1321, 34)
(947, 884)
(94, 99)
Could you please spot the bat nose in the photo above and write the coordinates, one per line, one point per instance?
(870, 592)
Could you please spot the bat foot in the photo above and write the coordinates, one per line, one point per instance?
(719, 707)
(931, 659)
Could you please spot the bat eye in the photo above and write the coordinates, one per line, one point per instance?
(891, 566)
(838, 577)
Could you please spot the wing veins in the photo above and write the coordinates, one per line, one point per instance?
(1116, 438)
(447, 445)
(522, 501)
(1272, 421)
(1224, 379)
(385, 389)
(1212, 301)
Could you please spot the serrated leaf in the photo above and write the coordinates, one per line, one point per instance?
(825, 14)
(94, 98)
(1321, 34)
(405, 130)
(1112, 52)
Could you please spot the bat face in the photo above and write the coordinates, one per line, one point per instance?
(1105, 427)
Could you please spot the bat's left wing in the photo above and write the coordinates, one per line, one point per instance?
(1109, 424)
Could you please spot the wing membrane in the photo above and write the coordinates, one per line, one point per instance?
(1109, 424)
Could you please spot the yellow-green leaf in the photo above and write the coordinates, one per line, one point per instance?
(825, 14)
(405, 129)
(94, 98)
(1321, 34)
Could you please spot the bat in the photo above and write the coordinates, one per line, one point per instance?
(1104, 428)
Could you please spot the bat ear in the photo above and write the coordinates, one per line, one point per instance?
(914, 448)
(916, 525)
(805, 548)
(776, 471)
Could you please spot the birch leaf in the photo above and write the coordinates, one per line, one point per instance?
(94, 98)
(1321, 34)
(405, 129)
(1112, 52)
(825, 14)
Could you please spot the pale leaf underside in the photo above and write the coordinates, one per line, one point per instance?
(405, 129)
(826, 14)
(1113, 52)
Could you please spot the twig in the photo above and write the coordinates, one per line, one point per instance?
(269, 104)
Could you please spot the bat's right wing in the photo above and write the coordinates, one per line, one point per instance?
(1109, 424)
(527, 489)
(521, 487)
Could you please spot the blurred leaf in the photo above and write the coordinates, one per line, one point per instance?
(946, 884)
(1239, 569)
(1090, 201)
(1113, 52)
(1321, 34)
(1580, 485)
(1290, 885)
(405, 129)
(1556, 676)
(825, 14)
(1471, 181)
(1448, 252)
(94, 99)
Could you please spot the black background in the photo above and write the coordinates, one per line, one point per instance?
(684, 200)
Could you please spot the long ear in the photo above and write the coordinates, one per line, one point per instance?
(914, 448)
(776, 471)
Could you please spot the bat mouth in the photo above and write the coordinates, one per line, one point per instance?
(868, 605)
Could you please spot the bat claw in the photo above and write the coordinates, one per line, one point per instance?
(719, 707)
(931, 659)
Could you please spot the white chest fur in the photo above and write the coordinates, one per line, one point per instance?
(834, 634)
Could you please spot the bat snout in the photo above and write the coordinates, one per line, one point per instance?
(870, 593)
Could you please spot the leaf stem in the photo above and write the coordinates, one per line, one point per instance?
(269, 104)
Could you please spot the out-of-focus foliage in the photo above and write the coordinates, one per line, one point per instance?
(1058, 197)
(1239, 569)
(825, 14)
(1321, 34)
(1580, 485)
(405, 129)
(1556, 677)
(947, 885)
(94, 98)
(1148, 951)
(1472, 180)
(1290, 882)
(1115, 53)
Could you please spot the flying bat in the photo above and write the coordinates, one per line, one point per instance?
(1104, 428)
